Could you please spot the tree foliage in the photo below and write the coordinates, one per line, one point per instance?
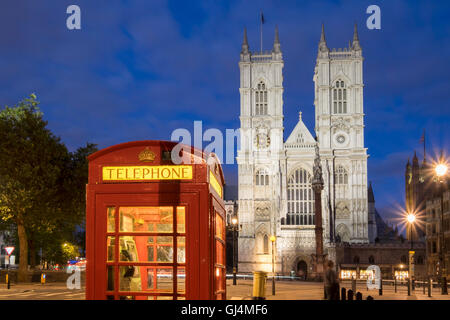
(42, 184)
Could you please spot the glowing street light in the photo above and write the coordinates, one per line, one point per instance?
(441, 169)
(411, 217)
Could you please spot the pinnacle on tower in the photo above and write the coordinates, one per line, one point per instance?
(370, 196)
(245, 43)
(323, 43)
(355, 44)
(276, 43)
(415, 160)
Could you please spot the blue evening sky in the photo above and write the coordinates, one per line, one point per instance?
(141, 69)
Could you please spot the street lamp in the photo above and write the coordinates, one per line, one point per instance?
(411, 218)
(441, 170)
(273, 239)
(234, 222)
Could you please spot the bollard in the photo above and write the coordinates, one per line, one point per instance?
(409, 287)
(444, 285)
(395, 285)
(369, 298)
(350, 295)
(423, 286)
(8, 282)
(380, 290)
(413, 284)
(43, 278)
(430, 286)
(358, 296)
(259, 285)
(343, 293)
(353, 284)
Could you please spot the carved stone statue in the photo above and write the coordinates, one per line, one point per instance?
(317, 181)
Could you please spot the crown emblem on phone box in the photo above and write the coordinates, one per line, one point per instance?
(146, 155)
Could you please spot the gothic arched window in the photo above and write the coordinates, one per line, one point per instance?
(356, 259)
(341, 176)
(262, 178)
(300, 199)
(339, 97)
(266, 244)
(261, 99)
(371, 259)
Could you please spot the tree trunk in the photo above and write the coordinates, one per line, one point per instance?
(32, 250)
(23, 255)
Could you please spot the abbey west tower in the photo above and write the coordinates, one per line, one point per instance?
(275, 194)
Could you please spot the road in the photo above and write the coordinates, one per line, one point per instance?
(285, 290)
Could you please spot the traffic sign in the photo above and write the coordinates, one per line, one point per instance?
(9, 250)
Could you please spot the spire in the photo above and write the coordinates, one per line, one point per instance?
(322, 35)
(355, 44)
(408, 165)
(276, 43)
(300, 116)
(245, 43)
(323, 43)
(415, 162)
(277, 37)
(415, 159)
(370, 195)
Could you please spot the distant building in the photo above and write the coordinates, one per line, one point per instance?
(429, 198)
(387, 249)
(416, 188)
(438, 232)
(391, 258)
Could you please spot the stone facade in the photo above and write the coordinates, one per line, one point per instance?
(275, 195)
(438, 233)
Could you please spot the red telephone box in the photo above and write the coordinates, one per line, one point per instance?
(154, 229)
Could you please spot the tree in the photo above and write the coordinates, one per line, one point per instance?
(41, 183)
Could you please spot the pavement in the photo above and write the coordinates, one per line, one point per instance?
(303, 290)
(37, 291)
(285, 290)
